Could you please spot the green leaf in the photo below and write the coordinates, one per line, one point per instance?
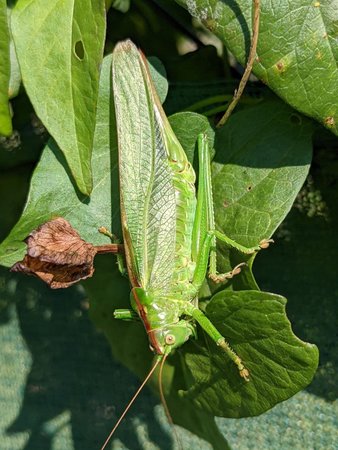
(52, 193)
(15, 78)
(187, 126)
(59, 48)
(262, 159)
(297, 48)
(256, 326)
(5, 70)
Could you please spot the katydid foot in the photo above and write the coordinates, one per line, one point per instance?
(243, 371)
(106, 232)
(265, 243)
(220, 277)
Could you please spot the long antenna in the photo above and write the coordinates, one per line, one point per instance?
(164, 402)
(131, 402)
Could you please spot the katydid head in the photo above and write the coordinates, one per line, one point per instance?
(165, 330)
(170, 336)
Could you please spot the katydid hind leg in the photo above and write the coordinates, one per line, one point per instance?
(204, 215)
(204, 242)
(217, 337)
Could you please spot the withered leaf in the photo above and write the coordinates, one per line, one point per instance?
(57, 255)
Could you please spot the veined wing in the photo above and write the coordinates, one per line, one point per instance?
(148, 209)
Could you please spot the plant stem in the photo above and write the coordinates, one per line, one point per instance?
(251, 59)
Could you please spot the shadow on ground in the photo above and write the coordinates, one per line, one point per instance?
(302, 266)
(72, 371)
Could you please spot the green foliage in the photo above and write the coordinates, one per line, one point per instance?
(53, 192)
(57, 197)
(264, 151)
(5, 117)
(297, 49)
(63, 65)
(279, 363)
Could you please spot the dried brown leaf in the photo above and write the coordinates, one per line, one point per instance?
(57, 255)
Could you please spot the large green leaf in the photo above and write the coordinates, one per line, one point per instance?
(262, 159)
(52, 192)
(59, 47)
(263, 156)
(5, 70)
(297, 48)
(279, 363)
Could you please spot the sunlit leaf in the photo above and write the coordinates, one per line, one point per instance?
(59, 48)
(5, 71)
(297, 48)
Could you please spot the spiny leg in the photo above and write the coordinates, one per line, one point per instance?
(220, 277)
(204, 223)
(126, 314)
(216, 336)
(197, 314)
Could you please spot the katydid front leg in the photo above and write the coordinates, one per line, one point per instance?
(126, 314)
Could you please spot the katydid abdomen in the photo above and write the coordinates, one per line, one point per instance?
(185, 197)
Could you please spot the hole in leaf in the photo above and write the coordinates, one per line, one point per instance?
(295, 119)
(79, 50)
(249, 188)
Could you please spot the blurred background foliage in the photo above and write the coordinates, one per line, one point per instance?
(60, 388)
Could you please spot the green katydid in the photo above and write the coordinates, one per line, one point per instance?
(169, 233)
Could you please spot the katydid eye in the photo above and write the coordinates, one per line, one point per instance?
(169, 339)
